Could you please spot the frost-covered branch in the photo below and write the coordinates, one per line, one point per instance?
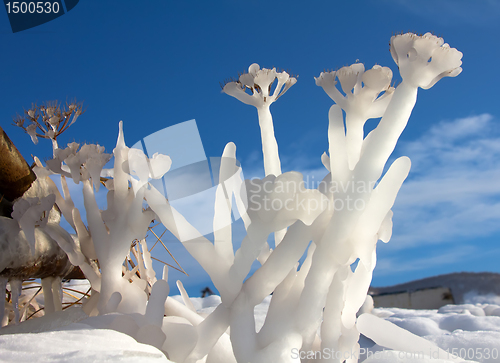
(48, 121)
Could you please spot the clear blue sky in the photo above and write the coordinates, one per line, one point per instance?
(157, 63)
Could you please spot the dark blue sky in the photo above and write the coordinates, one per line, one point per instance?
(158, 63)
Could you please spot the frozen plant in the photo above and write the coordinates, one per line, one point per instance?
(109, 233)
(352, 235)
(336, 226)
(49, 120)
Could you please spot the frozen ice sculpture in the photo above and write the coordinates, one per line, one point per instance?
(336, 226)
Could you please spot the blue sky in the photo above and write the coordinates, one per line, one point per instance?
(158, 63)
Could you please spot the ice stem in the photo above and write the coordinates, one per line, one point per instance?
(354, 138)
(209, 331)
(331, 328)
(384, 138)
(242, 325)
(16, 287)
(337, 144)
(272, 164)
(56, 292)
(55, 146)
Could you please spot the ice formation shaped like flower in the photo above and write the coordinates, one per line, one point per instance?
(84, 163)
(259, 81)
(424, 60)
(144, 168)
(361, 89)
(361, 102)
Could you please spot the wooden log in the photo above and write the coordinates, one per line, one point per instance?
(15, 174)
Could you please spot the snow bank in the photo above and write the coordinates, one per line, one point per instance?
(469, 331)
(80, 345)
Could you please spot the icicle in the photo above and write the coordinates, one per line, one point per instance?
(148, 262)
(16, 286)
(57, 292)
(48, 297)
(156, 304)
(185, 297)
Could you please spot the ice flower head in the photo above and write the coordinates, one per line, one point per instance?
(142, 168)
(424, 60)
(82, 164)
(366, 95)
(361, 89)
(259, 82)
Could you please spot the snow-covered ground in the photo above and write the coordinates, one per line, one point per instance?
(471, 331)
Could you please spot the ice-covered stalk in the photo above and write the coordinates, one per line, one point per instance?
(16, 286)
(272, 164)
(340, 316)
(422, 61)
(337, 164)
(259, 82)
(55, 146)
(114, 228)
(229, 182)
(353, 234)
(354, 138)
(381, 142)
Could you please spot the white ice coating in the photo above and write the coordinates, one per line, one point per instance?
(313, 304)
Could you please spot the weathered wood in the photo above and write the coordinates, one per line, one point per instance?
(15, 174)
